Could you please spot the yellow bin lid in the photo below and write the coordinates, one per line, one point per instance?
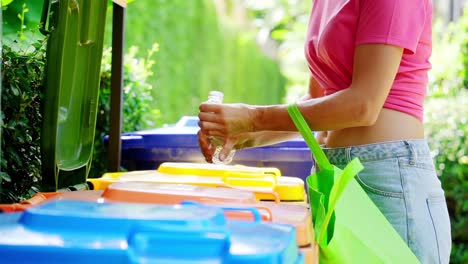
(205, 169)
(265, 181)
(266, 187)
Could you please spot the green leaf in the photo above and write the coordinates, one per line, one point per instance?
(4, 176)
(279, 34)
(15, 91)
(6, 2)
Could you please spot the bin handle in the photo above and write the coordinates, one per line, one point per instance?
(273, 194)
(226, 178)
(44, 17)
(12, 208)
(39, 198)
(254, 211)
(85, 32)
(259, 207)
(154, 241)
(240, 175)
(267, 210)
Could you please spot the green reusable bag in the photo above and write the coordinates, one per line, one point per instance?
(349, 228)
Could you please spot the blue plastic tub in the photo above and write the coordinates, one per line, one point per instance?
(67, 231)
(146, 150)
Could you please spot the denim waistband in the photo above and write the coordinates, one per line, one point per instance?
(377, 151)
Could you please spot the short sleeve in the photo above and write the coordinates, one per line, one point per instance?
(393, 22)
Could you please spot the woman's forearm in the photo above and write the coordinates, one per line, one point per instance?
(374, 71)
(340, 110)
(265, 138)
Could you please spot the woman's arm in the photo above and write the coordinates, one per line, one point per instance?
(265, 138)
(261, 138)
(316, 91)
(375, 67)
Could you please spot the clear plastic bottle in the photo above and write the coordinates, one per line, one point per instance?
(216, 97)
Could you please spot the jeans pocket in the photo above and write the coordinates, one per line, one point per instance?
(381, 177)
(441, 223)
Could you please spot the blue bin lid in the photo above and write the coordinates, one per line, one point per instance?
(181, 134)
(82, 232)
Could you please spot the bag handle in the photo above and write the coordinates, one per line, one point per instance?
(309, 138)
(327, 189)
(44, 18)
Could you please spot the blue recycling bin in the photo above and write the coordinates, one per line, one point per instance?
(147, 149)
(67, 231)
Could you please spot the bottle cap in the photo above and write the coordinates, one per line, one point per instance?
(216, 93)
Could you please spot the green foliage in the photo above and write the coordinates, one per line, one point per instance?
(463, 33)
(199, 53)
(447, 132)
(281, 27)
(446, 124)
(22, 76)
(20, 22)
(449, 59)
(137, 99)
(189, 67)
(5, 3)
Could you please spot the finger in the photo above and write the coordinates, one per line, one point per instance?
(209, 117)
(212, 129)
(205, 146)
(210, 108)
(227, 148)
(203, 140)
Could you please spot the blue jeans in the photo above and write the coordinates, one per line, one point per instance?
(400, 178)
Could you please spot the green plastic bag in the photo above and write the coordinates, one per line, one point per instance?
(349, 228)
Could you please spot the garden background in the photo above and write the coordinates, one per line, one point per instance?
(178, 50)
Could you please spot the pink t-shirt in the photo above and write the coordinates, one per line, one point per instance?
(336, 27)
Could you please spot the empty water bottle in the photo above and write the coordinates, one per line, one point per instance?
(216, 97)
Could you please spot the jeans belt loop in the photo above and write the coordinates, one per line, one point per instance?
(413, 153)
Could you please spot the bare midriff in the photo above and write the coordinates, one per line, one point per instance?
(391, 125)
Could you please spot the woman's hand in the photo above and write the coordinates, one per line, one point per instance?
(226, 120)
(240, 141)
(231, 123)
(206, 147)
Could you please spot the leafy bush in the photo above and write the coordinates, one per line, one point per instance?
(22, 77)
(446, 75)
(137, 99)
(22, 87)
(20, 20)
(463, 33)
(447, 132)
(446, 125)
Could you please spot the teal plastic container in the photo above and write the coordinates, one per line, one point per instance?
(68, 231)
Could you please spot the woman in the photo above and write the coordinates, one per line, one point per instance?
(369, 61)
